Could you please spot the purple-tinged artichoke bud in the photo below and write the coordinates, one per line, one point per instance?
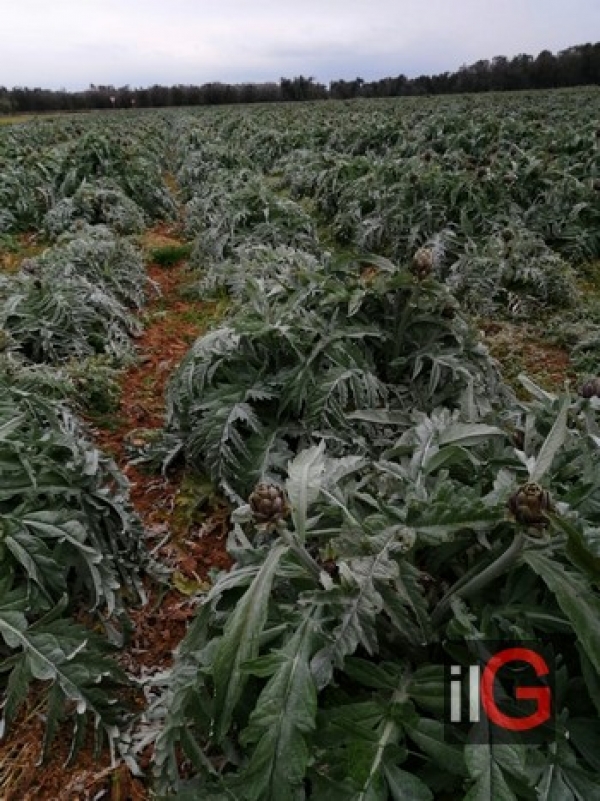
(422, 263)
(269, 504)
(590, 389)
(529, 505)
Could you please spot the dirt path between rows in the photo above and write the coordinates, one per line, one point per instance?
(186, 528)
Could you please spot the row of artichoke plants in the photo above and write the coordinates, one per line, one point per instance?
(394, 506)
(57, 173)
(72, 549)
(507, 200)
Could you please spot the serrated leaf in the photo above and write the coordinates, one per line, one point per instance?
(449, 455)
(590, 676)
(357, 604)
(564, 780)
(240, 641)
(72, 659)
(305, 477)
(284, 715)
(536, 390)
(575, 598)
(379, 416)
(577, 549)
(584, 734)
(429, 736)
(404, 786)
(369, 738)
(490, 783)
(468, 434)
(10, 426)
(552, 444)
(369, 674)
(427, 688)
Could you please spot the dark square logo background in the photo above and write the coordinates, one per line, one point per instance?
(465, 653)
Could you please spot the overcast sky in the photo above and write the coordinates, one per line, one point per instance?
(72, 43)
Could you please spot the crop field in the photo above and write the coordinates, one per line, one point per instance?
(299, 403)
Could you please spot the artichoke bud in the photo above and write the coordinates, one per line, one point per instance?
(269, 504)
(529, 505)
(519, 438)
(422, 263)
(590, 389)
(449, 310)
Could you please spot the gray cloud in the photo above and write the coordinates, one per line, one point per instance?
(73, 43)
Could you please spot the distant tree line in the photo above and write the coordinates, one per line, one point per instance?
(575, 66)
(22, 99)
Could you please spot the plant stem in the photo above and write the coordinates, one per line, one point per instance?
(478, 582)
(302, 554)
(411, 302)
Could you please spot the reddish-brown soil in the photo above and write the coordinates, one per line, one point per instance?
(520, 349)
(189, 541)
(28, 247)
